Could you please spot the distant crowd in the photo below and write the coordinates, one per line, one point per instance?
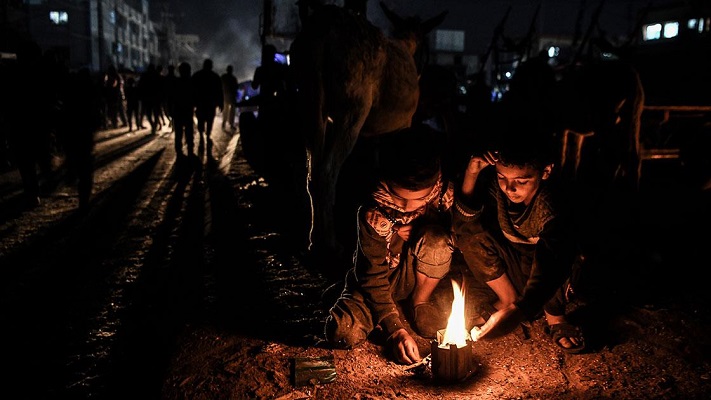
(50, 113)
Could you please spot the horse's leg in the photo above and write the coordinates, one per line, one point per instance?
(341, 137)
(312, 115)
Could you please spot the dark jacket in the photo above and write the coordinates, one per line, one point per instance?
(380, 248)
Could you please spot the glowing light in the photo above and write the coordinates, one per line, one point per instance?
(671, 29)
(456, 332)
(59, 17)
(652, 32)
(692, 23)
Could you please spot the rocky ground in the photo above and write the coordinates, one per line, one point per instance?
(184, 281)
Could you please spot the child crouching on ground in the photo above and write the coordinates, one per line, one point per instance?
(521, 244)
(404, 249)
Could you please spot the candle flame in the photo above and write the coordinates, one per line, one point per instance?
(456, 332)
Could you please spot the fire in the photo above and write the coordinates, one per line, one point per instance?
(456, 332)
(452, 356)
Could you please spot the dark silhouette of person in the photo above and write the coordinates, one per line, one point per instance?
(28, 136)
(272, 80)
(114, 97)
(229, 97)
(182, 97)
(150, 90)
(160, 110)
(133, 103)
(168, 87)
(208, 96)
(79, 119)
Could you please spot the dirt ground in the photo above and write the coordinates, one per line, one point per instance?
(187, 284)
(643, 353)
(647, 329)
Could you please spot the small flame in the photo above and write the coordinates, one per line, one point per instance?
(456, 332)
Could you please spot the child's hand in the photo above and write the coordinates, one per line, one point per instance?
(403, 231)
(404, 347)
(479, 162)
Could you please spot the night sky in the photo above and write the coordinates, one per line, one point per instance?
(230, 35)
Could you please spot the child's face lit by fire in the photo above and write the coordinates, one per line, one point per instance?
(520, 183)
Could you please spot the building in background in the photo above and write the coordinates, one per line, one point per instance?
(128, 34)
(672, 53)
(187, 50)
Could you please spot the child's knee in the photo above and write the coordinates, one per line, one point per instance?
(433, 251)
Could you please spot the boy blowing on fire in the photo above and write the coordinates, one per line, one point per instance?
(404, 249)
(520, 244)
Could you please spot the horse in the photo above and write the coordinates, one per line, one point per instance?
(352, 82)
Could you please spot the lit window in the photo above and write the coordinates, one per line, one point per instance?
(671, 29)
(553, 51)
(652, 32)
(691, 24)
(112, 17)
(59, 17)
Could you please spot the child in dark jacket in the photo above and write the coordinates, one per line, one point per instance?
(405, 245)
(520, 244)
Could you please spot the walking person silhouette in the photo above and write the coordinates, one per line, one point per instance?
(28, 136)
(114, 97)
(208, 96)
(79, 119)
(150, 91)
(182, 98)
(133, 104)
(229, 97)
(168, 88)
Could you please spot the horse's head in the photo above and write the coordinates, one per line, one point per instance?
(412, 32)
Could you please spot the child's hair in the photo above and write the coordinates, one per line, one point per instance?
(411, 158)
(526, 143)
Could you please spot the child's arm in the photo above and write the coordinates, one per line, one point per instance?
(468, 203)
(476, 164)
(372, 269)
